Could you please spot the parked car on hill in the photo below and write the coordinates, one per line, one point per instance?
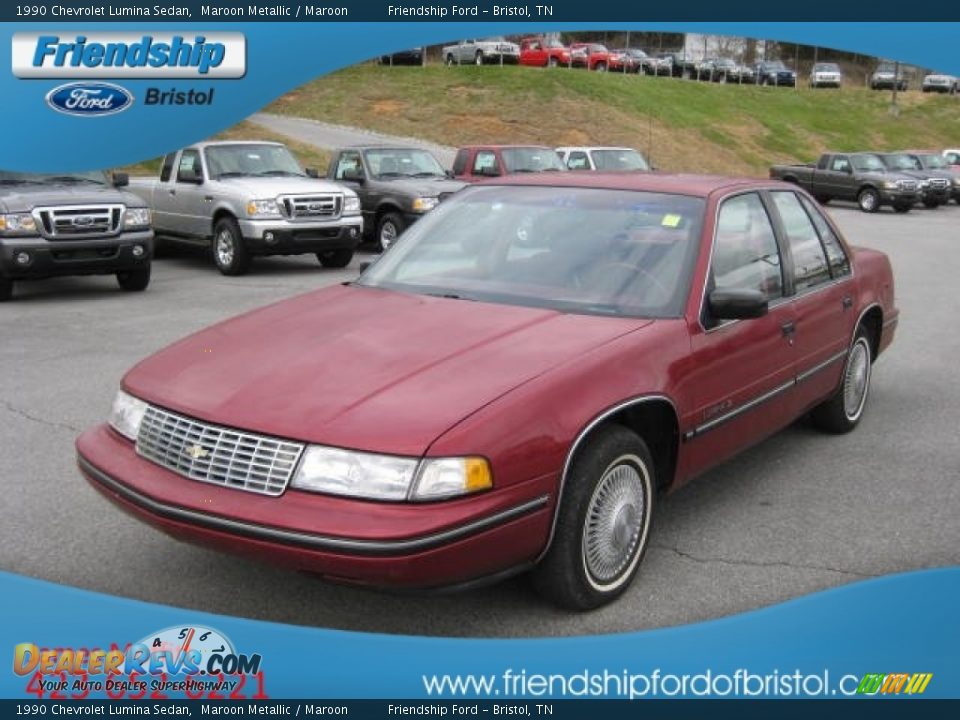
(742, 74)
(636, 60)
(396, 186)
(935, 163)
(670, 64)
(476, 162)
(244, 199)
(717, 70)
(826, 74)
(775, 72)
(939, 83)
(888, 76)
(594, 56)
(603, 158)
(513, 387)
(860, 177)
(935, 189)
(540, 52)
(482, 52)
(413, 56)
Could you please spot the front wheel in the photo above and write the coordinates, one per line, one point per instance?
(229, 252)
(134, 280)
(841, 413)
(388, 230)
(869, 200)
(600, 67)
(449, 60)
(479, 58)
(603, 522)
(335, 258)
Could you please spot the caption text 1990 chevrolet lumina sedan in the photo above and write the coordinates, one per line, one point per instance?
(508, 388)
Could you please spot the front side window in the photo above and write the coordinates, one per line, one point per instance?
(485, 163)
(809, 261)
(745, 251)
(349, 162)
(840, 164)
(189, 164)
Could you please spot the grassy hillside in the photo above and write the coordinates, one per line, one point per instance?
(308, 155)
(683, 125)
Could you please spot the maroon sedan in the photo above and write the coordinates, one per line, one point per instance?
(509, 388)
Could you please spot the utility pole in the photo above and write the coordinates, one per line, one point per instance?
(894, 109)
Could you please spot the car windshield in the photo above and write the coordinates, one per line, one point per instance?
(251, 159)
(577, 250)
(619, 159)
(723, 62)
(553, 44)
(826, 67)
(94, 177)
(598, 48)
(402, 162)
(530, 159)
(885, 68)
(867, 163)
(934, 162)
(900, 162)
(775, 66)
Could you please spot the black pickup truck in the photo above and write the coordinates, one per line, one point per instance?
(860, 177)
(396, 186)
(72, 224)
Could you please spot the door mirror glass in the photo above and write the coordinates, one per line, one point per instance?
(737, 304)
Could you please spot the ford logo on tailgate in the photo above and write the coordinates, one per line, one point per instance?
(89, 99)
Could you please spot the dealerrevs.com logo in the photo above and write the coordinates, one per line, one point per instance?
(89, 99)
(105, 55)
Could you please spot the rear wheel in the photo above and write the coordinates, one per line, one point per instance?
(869, 200)
(134, 280)
(841, 413)
(603, 522)
(229, 252)
(335, 258)
(6, 289)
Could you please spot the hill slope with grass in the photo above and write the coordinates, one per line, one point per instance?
(682, 125)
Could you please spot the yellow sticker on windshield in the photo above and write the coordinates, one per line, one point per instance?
(671, 221)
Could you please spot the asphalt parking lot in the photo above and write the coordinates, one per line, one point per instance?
(799, 513)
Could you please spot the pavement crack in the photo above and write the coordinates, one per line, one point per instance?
(13, 410)
(757, 563)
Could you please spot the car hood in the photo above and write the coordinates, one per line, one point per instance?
(23, 198)
(427, 187)
(273, 186)
(364, 368)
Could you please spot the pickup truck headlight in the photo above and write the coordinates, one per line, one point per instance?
(263, 208)
(891, 184)
(18, 224)
(956, 181)
(388, 477)
(137, 218)
(127, 414)
(351, 205)
(423, 204)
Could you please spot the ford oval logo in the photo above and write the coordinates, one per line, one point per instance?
(89, 99)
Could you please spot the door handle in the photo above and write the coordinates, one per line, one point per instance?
(847, 302)
(208, 198)
(788, 328)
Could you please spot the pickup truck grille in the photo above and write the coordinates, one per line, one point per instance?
(312, 206)
(939, 183)
(908, 185)
(79, 221)
(218, 455)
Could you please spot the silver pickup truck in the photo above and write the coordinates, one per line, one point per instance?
(244, 199)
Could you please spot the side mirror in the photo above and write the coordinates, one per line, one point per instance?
(737, 304)
(120, 179)
(312, 172)
(353, 175)
(364, 265)
(449, 174)
(189, 176)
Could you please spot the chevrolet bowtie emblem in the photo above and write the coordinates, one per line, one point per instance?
(197, 452)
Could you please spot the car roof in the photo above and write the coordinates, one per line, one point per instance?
(496, 146)
(676, 184)
(591, 148)
(381, 146)
(216, 143)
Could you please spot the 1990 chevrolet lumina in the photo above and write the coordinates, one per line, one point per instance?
(509, 387)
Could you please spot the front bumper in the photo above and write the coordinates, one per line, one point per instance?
(495, 56)
(283, 237)
(379, 544)
(941, 195)
(899, 197)
(58, 258)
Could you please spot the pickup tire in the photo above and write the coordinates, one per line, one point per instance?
(869, 200)
(931, 203)
(389, 228)
(335, 258)
(6, 289)
(229, 251)
(478, 58)
(600, 67)
(450, 62)
(134, 280)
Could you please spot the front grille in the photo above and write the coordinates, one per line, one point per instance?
(217, 455)
(939, 183)
(908, 185)
(77, 222)
(312, 206)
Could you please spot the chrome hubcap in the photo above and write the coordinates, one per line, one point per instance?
(224, 247)
(868, 201)
(856, 380)
(388, 235)
(614, 523)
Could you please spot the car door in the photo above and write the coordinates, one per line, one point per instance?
(189, 206)
(162, 198)
(352, 160)
(823, 296)
(837, 178)
(535, 54)
(741, 373)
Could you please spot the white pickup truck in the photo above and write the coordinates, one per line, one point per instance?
(244, 199)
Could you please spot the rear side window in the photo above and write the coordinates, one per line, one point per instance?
(460, 162)
(836, 256)
(745, 251)
(809, 261)
(166, 170)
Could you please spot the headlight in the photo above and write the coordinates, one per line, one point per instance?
(127, 414)
(423, 204)
(263, 208)
(388, 477)
(351, 205)
(137, 217)
(956, 181)
(18, 223)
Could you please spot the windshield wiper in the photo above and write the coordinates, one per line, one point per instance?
(428, 174)
(232, 173)
(391, 175)
(278, 173)
(70, 179)
(450, 296)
